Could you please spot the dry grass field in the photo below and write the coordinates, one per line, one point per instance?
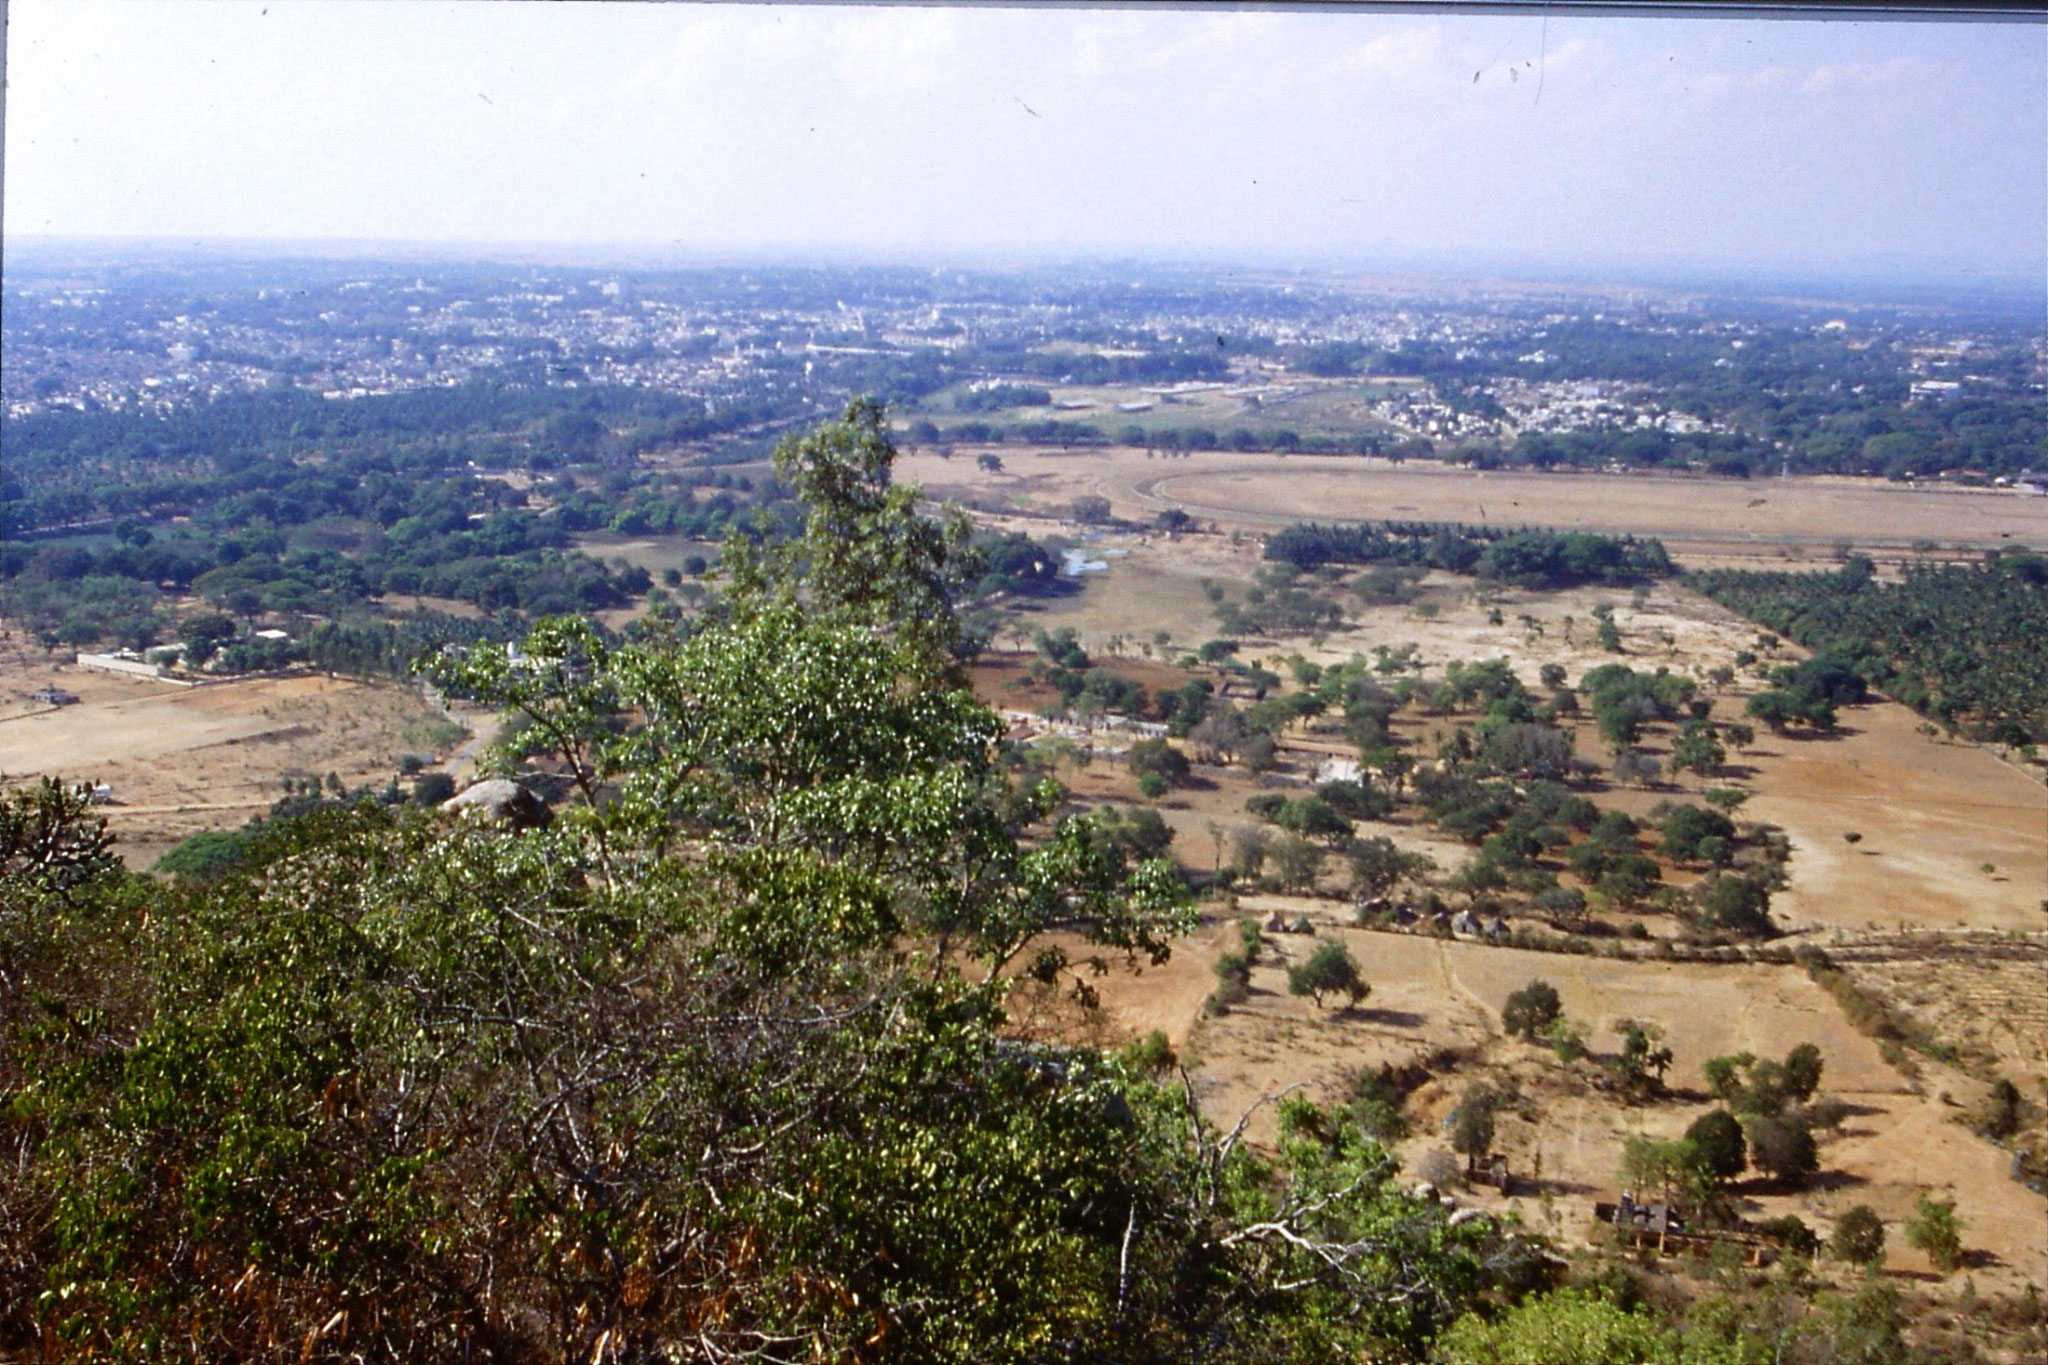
(1438, 1004)
(1701, 518)
(185, 759)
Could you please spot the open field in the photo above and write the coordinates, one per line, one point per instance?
(1931, 814)
(653, 553)
(1702, 519)
(185, 759)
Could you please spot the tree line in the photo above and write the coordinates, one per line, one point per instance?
(1525, 557)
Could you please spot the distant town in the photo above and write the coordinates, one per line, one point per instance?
(1257, 360)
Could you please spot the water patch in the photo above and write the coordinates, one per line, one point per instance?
(1074, 563)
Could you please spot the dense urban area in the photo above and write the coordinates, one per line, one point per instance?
(1100, 812)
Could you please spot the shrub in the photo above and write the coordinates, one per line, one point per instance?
(1233, 982)
(1566, 1038)
(1439, 1168)
(1377, 1106)
(1567, 1327)
(2003, 1117)
(1827, 1112)
(207, 855)
(1936, 1230)
(1149, 1055)
(1791, 1230)
(431, 789)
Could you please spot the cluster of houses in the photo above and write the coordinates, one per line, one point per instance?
(1662, 1228)
(1459, 924)
(1025, 726)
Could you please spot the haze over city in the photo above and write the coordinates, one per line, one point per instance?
(1352, 138)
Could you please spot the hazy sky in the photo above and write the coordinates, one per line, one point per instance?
(1243, 134)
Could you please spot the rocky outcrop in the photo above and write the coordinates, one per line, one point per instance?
(500, 801)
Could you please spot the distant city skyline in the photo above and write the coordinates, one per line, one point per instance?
(1670, 148)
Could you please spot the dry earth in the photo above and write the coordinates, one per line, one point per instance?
(1740, 517)
(1439, 1003)
(185, 759)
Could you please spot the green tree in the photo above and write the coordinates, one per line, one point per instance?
(1686, 828)
(1472, 1124)
(1717, 1136)
(51, 841)
(1782, 1148)
(1802, 1069)
(1531, 1010)
(1673, 1169)
(867, 558)
(1296, 861)
(1329, 970)
(1156, 757)
(1642, 1061)
(1378, 865)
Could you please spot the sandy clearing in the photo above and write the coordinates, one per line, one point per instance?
(184, 759)
(1793, 512)
(1931, 813)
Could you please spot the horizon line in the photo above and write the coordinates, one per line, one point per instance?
(1650, 270)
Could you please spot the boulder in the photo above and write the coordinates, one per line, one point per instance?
(501, 801)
